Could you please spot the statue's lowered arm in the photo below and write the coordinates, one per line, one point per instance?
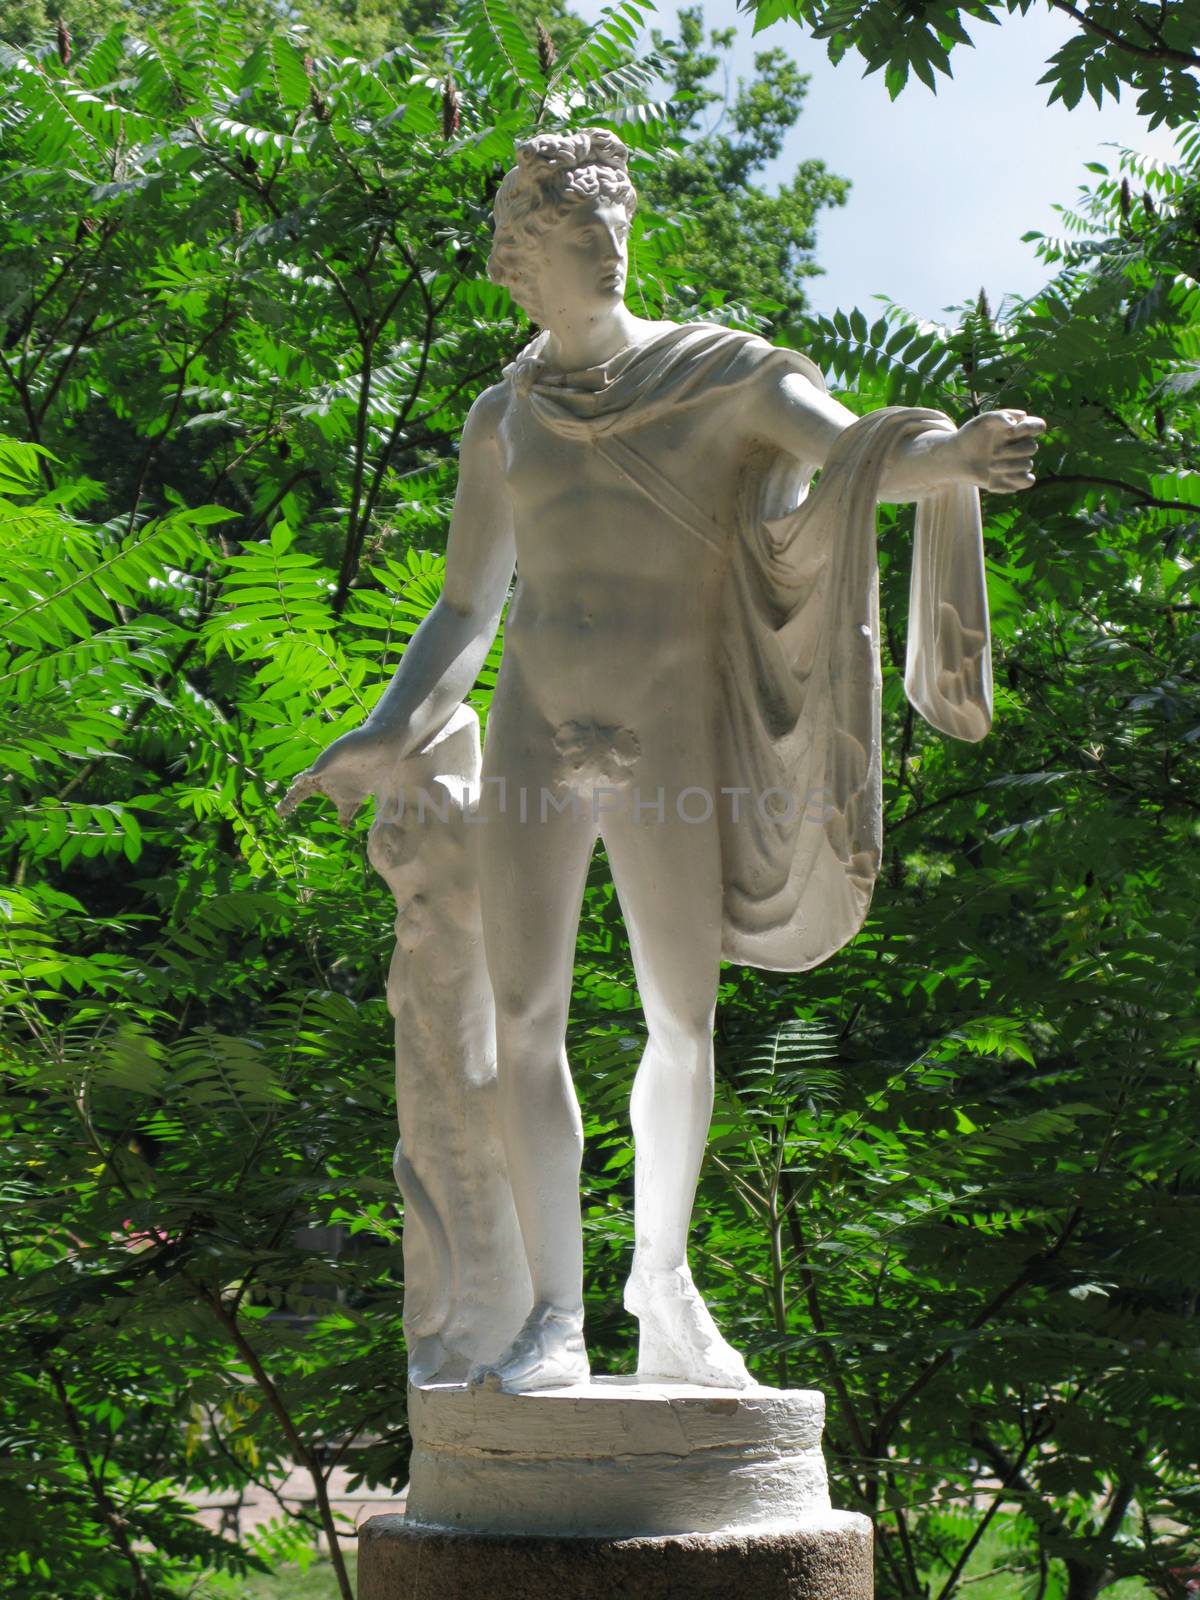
(466, 1283)
(445, 654)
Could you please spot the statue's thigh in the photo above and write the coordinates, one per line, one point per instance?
(533, 864)
(668, 879)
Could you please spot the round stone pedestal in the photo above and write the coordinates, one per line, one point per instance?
(615, 1457)
(614, 1488)
(828, 1558)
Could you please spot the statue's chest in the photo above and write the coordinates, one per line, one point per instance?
(688, 447)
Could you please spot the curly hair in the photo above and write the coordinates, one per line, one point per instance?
(553, 172)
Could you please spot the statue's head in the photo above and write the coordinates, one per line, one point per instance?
(562, 222)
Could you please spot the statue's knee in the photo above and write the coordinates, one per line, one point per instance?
(684, 1035)
(528, 1023)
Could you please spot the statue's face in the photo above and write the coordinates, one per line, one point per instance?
(584, 259)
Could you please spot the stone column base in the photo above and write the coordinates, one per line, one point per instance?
(825, 1558)
(616, 1458)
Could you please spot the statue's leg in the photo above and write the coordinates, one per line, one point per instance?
(533, 866)
(668, 877)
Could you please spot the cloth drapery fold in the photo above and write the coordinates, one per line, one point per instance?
(801, 689)
(799, 681)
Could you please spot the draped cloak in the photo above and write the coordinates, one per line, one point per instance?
(798, 665)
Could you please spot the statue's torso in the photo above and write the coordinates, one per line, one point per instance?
(617, 603)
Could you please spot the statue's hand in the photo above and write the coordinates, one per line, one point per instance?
(352, 768)
(997, 449)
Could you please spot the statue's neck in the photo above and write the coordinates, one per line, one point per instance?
(588, 341)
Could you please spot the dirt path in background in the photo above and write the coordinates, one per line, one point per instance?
(236, 1518)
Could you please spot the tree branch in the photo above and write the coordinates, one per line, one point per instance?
(983, 1316)
(910, 1556)
(356, 533)
(306, 1457)
(1160, 53)
(156, 444)
(981, 1527)
(817, 1318)
(21, 390)
(1144, 496)
(108, 1513)
(260, 1483)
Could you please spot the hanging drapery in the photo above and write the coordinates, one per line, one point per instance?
(799, 749)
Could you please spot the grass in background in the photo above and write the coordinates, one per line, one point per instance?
(996, 1571)
(316, 1582)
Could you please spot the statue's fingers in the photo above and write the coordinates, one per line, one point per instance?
(1010, 482)
(1015, 453)
(348, 809)
(307, 783)
(1026, 427)
(1009, 470)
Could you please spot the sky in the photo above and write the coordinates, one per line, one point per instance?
(943, 187)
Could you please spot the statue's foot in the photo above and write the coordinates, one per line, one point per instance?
(548, 1353)
(426, 1357)
(679, 1340)
(431, 1362)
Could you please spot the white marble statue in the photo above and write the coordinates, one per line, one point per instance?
(691, 673)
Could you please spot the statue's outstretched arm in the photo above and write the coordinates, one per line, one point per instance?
(445, 654)
(993, 451)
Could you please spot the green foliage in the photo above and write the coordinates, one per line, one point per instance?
(366, 29)
(953, 1176)
(982, 1246)
(756, 247)
(243, 312)
(1138, 45)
